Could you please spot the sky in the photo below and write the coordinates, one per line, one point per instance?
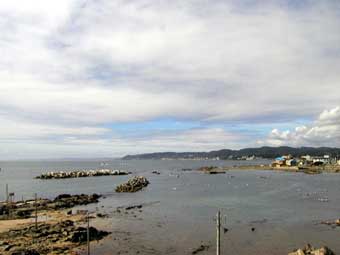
(105, 78)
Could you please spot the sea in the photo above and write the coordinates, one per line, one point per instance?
(262, 212)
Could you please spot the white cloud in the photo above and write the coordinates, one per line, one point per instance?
(324, 131)
(19, 130)
(71, 65)
(256, 63)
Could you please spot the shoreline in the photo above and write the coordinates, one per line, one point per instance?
(295, 169)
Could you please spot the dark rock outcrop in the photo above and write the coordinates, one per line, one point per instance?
(133, 185)
(80, 235)
(68, 201)
(211, 170)
(23, 210)
(201, 248)
(48, 238)
(25, 252)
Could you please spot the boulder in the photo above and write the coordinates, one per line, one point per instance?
(80, 235)
(310, 250)
(133, 185)
(68, 201)
(201, 248)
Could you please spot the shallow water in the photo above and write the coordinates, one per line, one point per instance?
(284, 208)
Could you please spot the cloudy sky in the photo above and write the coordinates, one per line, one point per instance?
(103, 78)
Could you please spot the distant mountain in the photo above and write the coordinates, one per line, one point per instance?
(264, 152)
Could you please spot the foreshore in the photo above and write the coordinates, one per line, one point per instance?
(46, 226)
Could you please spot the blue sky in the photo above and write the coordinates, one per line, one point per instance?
(107, 78)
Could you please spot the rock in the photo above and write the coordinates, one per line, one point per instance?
(63, 196)
(101, 215)
(68, 201)
(310, 250)
(8, 247)
(25, 252)
(66, 223)
(297, 252)
(211, 170)
(24, 210)
(133, 207)
(133, 185)
(23, 213)
(80, 235)
(3, 243)
(48, 238)
(200, 249)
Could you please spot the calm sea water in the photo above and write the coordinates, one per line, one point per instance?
(179, 207)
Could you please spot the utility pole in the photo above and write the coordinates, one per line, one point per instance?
(36, 212)
(10, 203)
(6, 193)
(88, 233)
(218, 234)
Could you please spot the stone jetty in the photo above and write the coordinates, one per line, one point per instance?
(80, 173)
(133, 185)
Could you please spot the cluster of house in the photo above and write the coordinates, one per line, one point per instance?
(289, 160)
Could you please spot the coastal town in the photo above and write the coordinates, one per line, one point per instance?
(305, 161)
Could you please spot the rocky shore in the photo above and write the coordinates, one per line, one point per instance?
(47, 238)
(80, 173)
(133, 185)
(308, 249)
(58, 232)
(25, 209)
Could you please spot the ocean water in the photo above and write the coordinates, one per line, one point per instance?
(179, 207)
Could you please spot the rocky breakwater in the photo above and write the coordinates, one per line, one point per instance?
(308, 249)
(80, 173)
(24, 209)
(46, 238)
(133, 185)
(211, 170)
